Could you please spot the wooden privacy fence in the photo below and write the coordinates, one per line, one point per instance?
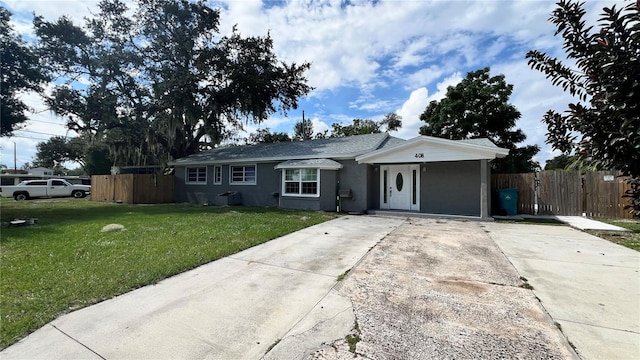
(133, 188)
(595, 194)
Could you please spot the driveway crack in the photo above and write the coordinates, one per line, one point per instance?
(572, 262)
(279, 266)
(598, 326)
(77, 341)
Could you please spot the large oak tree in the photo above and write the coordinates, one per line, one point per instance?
(478, 107)
(162, 83)
(19, 71)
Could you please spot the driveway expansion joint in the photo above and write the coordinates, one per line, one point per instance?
(77, 341)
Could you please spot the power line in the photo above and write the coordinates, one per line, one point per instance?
(27, 137)
(41, 133)
(47, 122)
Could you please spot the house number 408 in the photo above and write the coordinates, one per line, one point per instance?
(419, 155)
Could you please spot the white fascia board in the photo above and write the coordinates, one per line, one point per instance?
(464, 151)
(262, 160)
(278, 167)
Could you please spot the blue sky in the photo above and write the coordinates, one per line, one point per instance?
(369, 58)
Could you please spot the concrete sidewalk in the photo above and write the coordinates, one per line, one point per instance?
(578, 222)
(233, 308)
(590, 286)
(584, 223)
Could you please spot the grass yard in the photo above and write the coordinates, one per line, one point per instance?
(65, 262)
(630, 239)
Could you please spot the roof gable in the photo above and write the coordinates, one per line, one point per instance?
(431, 149)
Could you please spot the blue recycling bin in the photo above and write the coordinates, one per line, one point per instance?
(508, 201)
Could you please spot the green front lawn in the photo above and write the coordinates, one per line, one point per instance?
(65, 262)
(630, 239)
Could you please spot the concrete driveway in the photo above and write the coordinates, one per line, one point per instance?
(440, 289)
(427, 289)
(590, 286)
(233, 308)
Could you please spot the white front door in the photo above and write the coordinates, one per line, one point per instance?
(400, 187)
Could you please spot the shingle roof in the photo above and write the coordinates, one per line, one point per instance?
(326, 164)
(334, 148)
(480, 141)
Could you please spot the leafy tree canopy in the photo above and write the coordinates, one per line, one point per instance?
(478, 107)
(560, 162)
(266, 136)
(604, 124)
(58, 150)
(20, 71)
(303, 130)
(162, 82)
(390, 122)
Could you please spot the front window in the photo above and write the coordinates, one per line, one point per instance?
(243, 175)
(196, 175)
(217, 175)
(302, 182)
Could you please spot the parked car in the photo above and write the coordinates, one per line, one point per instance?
(44, 188)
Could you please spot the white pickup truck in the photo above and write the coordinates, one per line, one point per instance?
(44, 188)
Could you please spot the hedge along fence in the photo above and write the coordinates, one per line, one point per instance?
(133, 188)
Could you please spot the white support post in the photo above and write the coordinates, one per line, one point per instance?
(484, 190)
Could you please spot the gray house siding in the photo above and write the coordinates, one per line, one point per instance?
(353, 176)
(326, 201)
(266, 192)
(374, 186)
(450, 173)
(328, 189)
(451, 188)
(191, 193)
(260, 194)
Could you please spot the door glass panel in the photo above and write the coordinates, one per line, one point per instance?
(384, 179)
(414, 186)
(399, 181)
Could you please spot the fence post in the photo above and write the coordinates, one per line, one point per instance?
(536, 189)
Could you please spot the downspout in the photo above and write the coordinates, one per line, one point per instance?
(338, 204)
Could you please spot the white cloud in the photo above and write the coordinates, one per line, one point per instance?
(370, 105)
(412, 54)
(319, 126)
(380, 50)
(442, 86)
(417, 102)
(423, 77)
(410, 113)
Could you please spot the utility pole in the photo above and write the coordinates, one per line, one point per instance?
(15, 164)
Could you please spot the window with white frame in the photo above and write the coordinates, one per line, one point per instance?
(243, 174)
(301, 182)
(196, 175)
(217, 175)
